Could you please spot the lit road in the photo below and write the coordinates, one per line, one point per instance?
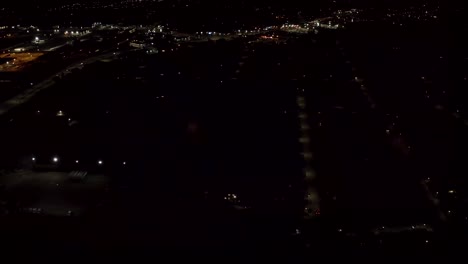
(399, 143)
(28, 94)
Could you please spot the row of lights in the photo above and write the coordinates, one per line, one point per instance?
(76, 33)
(56, 159)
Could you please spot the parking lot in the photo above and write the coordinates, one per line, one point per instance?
(53, 193)
(17, 61)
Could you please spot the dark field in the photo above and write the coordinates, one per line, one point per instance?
(178, 132)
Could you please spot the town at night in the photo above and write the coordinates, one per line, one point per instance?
(233, 131)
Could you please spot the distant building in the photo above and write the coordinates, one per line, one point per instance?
(137, 44)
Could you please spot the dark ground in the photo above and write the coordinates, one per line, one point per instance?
(189, 139)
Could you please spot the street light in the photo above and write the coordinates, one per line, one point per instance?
(100, 162)
(55, 159)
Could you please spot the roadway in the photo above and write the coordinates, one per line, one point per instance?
(28, 94)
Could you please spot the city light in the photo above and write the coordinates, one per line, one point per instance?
(357, 138)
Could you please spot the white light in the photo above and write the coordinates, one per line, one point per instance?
(100, 162)
(124, 163)
(77, 161)
(33, 159)
(55, 159)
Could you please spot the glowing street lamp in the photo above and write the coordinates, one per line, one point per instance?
(55, 159)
